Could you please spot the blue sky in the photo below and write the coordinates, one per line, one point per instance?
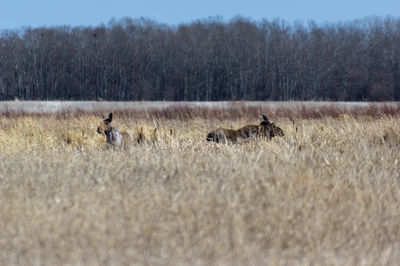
(15, 14)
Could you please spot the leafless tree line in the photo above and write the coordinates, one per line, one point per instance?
(206, 60)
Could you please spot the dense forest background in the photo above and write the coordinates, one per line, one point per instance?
(206, 60)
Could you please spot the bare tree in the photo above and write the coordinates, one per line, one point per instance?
(140, 59)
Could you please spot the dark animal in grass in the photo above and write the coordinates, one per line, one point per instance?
(265, 129)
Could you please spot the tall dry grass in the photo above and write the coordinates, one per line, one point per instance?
(328, 192)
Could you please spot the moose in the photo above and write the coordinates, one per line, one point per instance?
(264, 129)
(114, 137)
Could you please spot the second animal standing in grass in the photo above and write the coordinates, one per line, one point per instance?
(264, 129)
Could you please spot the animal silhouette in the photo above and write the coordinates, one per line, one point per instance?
(264, 129)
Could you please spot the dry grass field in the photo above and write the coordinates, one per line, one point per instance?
(326, 193)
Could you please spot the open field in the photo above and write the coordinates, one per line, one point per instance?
(92, 106)
(328, 192)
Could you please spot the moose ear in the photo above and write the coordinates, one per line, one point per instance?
(109, 119)
(265, 118)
